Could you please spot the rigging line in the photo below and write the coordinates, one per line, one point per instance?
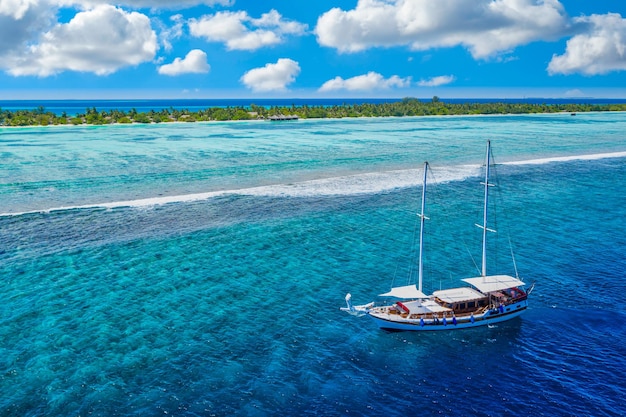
(479, 209)
(495, 202)
(395, 274)
(478, 271)
(410, 243)
(459, 243)
(413, 250)
(440, 207)
(513, 257)
(499, 199)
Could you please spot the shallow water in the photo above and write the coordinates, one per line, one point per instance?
(225, 300)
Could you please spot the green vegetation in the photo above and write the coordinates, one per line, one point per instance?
(404, 107)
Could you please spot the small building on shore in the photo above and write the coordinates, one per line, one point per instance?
(282, 117)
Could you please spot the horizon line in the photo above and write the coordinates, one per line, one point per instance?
(316, 98)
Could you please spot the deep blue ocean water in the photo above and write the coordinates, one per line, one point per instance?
(199, 269)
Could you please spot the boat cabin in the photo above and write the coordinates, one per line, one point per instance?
(461, 300)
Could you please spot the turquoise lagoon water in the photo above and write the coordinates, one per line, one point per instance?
(198, 269)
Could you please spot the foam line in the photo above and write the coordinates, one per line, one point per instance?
(145, 202)
(589, 157)
(366, 183)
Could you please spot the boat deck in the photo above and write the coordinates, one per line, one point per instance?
(499, 301)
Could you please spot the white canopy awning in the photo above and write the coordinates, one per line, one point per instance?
(457, 295)
(494, 283)
(425, 307)
(406, 292)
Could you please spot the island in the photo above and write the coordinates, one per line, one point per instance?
(405, 107)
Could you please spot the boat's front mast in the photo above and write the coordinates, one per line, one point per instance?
(422, 218)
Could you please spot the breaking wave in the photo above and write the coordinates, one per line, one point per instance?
(364, 183)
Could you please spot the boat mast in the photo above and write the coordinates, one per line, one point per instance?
(422, 218)
(485, 209)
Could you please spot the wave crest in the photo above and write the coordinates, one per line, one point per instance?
(365, 183)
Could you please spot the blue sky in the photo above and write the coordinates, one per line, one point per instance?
(294, 48)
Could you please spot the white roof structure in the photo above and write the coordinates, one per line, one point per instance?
(456, 295)
(428, 306)
(425, 307)
(494, 283)
(406, 292)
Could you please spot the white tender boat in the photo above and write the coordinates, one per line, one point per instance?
(488, 298)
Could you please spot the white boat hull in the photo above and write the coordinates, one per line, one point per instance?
(395, 322)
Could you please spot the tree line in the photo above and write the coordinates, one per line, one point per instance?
(405, 107)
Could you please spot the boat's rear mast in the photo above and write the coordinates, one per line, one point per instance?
(486, 209)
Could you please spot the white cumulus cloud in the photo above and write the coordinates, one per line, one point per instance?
(367, 82)
(239, 31)
(20, 20)
(576, 92)
(17, 9)
(485, 27)
(194, 63)
(437, 81)
(272, 77)
(599, 51)
(152, 4)
(101, 40)
(169, 33)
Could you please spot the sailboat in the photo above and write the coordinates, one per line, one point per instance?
(488, 299)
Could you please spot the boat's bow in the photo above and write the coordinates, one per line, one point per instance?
(359, 310)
